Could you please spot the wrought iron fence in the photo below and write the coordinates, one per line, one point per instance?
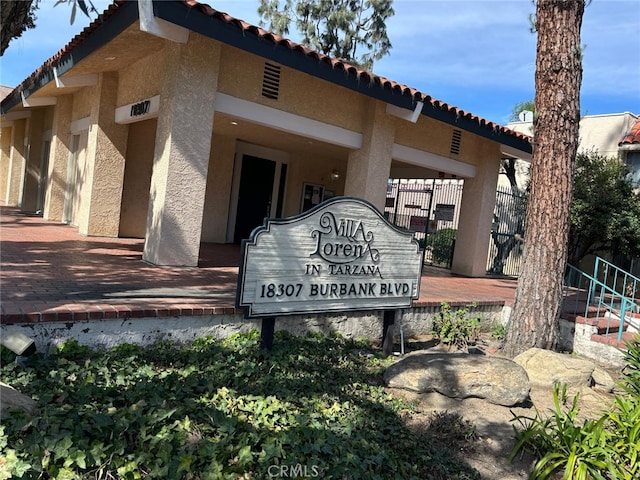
(507, 234)
(431, 209)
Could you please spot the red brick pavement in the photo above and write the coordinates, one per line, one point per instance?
(49, 272)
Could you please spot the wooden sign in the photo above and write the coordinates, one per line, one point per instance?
(341, 255)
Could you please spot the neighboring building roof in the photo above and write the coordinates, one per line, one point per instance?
(4, 91)
(633, 137)
(254, 39)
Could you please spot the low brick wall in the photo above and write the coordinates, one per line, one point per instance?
(106, 333)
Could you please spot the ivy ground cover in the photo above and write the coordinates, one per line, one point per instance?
(312, 407)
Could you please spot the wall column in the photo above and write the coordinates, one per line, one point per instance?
(5, 160)
(368, 168)
(33, 173)
(17, 162)
(99, 213)
(476, 217)
(181, 158)
(216, 209)
(58, 159)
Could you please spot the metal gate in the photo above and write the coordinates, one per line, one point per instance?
(507, 233)
(431, 209)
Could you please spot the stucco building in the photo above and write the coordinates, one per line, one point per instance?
(176, 123)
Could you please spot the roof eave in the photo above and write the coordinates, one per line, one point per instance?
(193, 16)
(123, 16)
(338, 73)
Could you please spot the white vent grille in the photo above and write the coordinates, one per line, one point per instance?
(271, 81)
(456, 140)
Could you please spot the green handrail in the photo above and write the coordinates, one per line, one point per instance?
(620, 280)
(585, 287)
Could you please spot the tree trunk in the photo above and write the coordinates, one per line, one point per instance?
(557, 105)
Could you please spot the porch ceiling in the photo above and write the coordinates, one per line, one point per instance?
(272, 138)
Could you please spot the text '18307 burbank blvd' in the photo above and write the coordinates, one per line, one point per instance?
(341, 255)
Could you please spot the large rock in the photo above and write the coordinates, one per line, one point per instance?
(461, 375)
(11, 399)
(545, 368)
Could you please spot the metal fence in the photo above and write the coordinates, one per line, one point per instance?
(507, 234)
(431, 209)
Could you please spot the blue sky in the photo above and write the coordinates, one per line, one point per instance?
(477, 55)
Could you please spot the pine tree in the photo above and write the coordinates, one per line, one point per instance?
(557, 105)
(350, 30)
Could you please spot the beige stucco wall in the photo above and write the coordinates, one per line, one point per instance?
(604, 132)
(218, 194)
(49, 115)
(76, 182)
(141, 80)
(315, 169)
(182, 151)
(241, 75)
(34, 160)
(58, 159)
(17, 162)
(5, 152)
(82, 101)
(597, 132)
(106, 147)
(476, 215)
(430, 135)
(137, 178)
(368, 168)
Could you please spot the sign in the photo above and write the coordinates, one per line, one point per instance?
(341, 255)
(444, 212)
(135, 112)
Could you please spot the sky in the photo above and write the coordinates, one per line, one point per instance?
(476, 55)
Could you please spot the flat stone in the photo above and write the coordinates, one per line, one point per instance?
(11, 399)
(545, 368)
(602, 380)
(460, 375)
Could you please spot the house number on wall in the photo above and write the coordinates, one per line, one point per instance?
(140, 108)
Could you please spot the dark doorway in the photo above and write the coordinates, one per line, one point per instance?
(254, 195)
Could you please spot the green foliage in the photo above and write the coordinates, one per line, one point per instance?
(631, 370)
(214, 410)
(520, 107)
(338, 28)
(442, 243)
(86, 6)
(605, 211)
(498, 331)
(456, 327)
(606, 448)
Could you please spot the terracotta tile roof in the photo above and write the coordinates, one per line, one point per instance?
(362, 75)
(437, 108)
(633, 137)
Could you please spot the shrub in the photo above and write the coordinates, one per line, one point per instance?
(442, 243)
(456, 328)
(498, 331)
(215, 409)
(606, 448)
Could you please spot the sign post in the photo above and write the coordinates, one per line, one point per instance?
(342, 255)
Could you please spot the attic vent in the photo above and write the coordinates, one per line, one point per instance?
(271, 81)
(456, 139)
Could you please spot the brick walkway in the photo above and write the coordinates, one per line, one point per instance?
(52, 273)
